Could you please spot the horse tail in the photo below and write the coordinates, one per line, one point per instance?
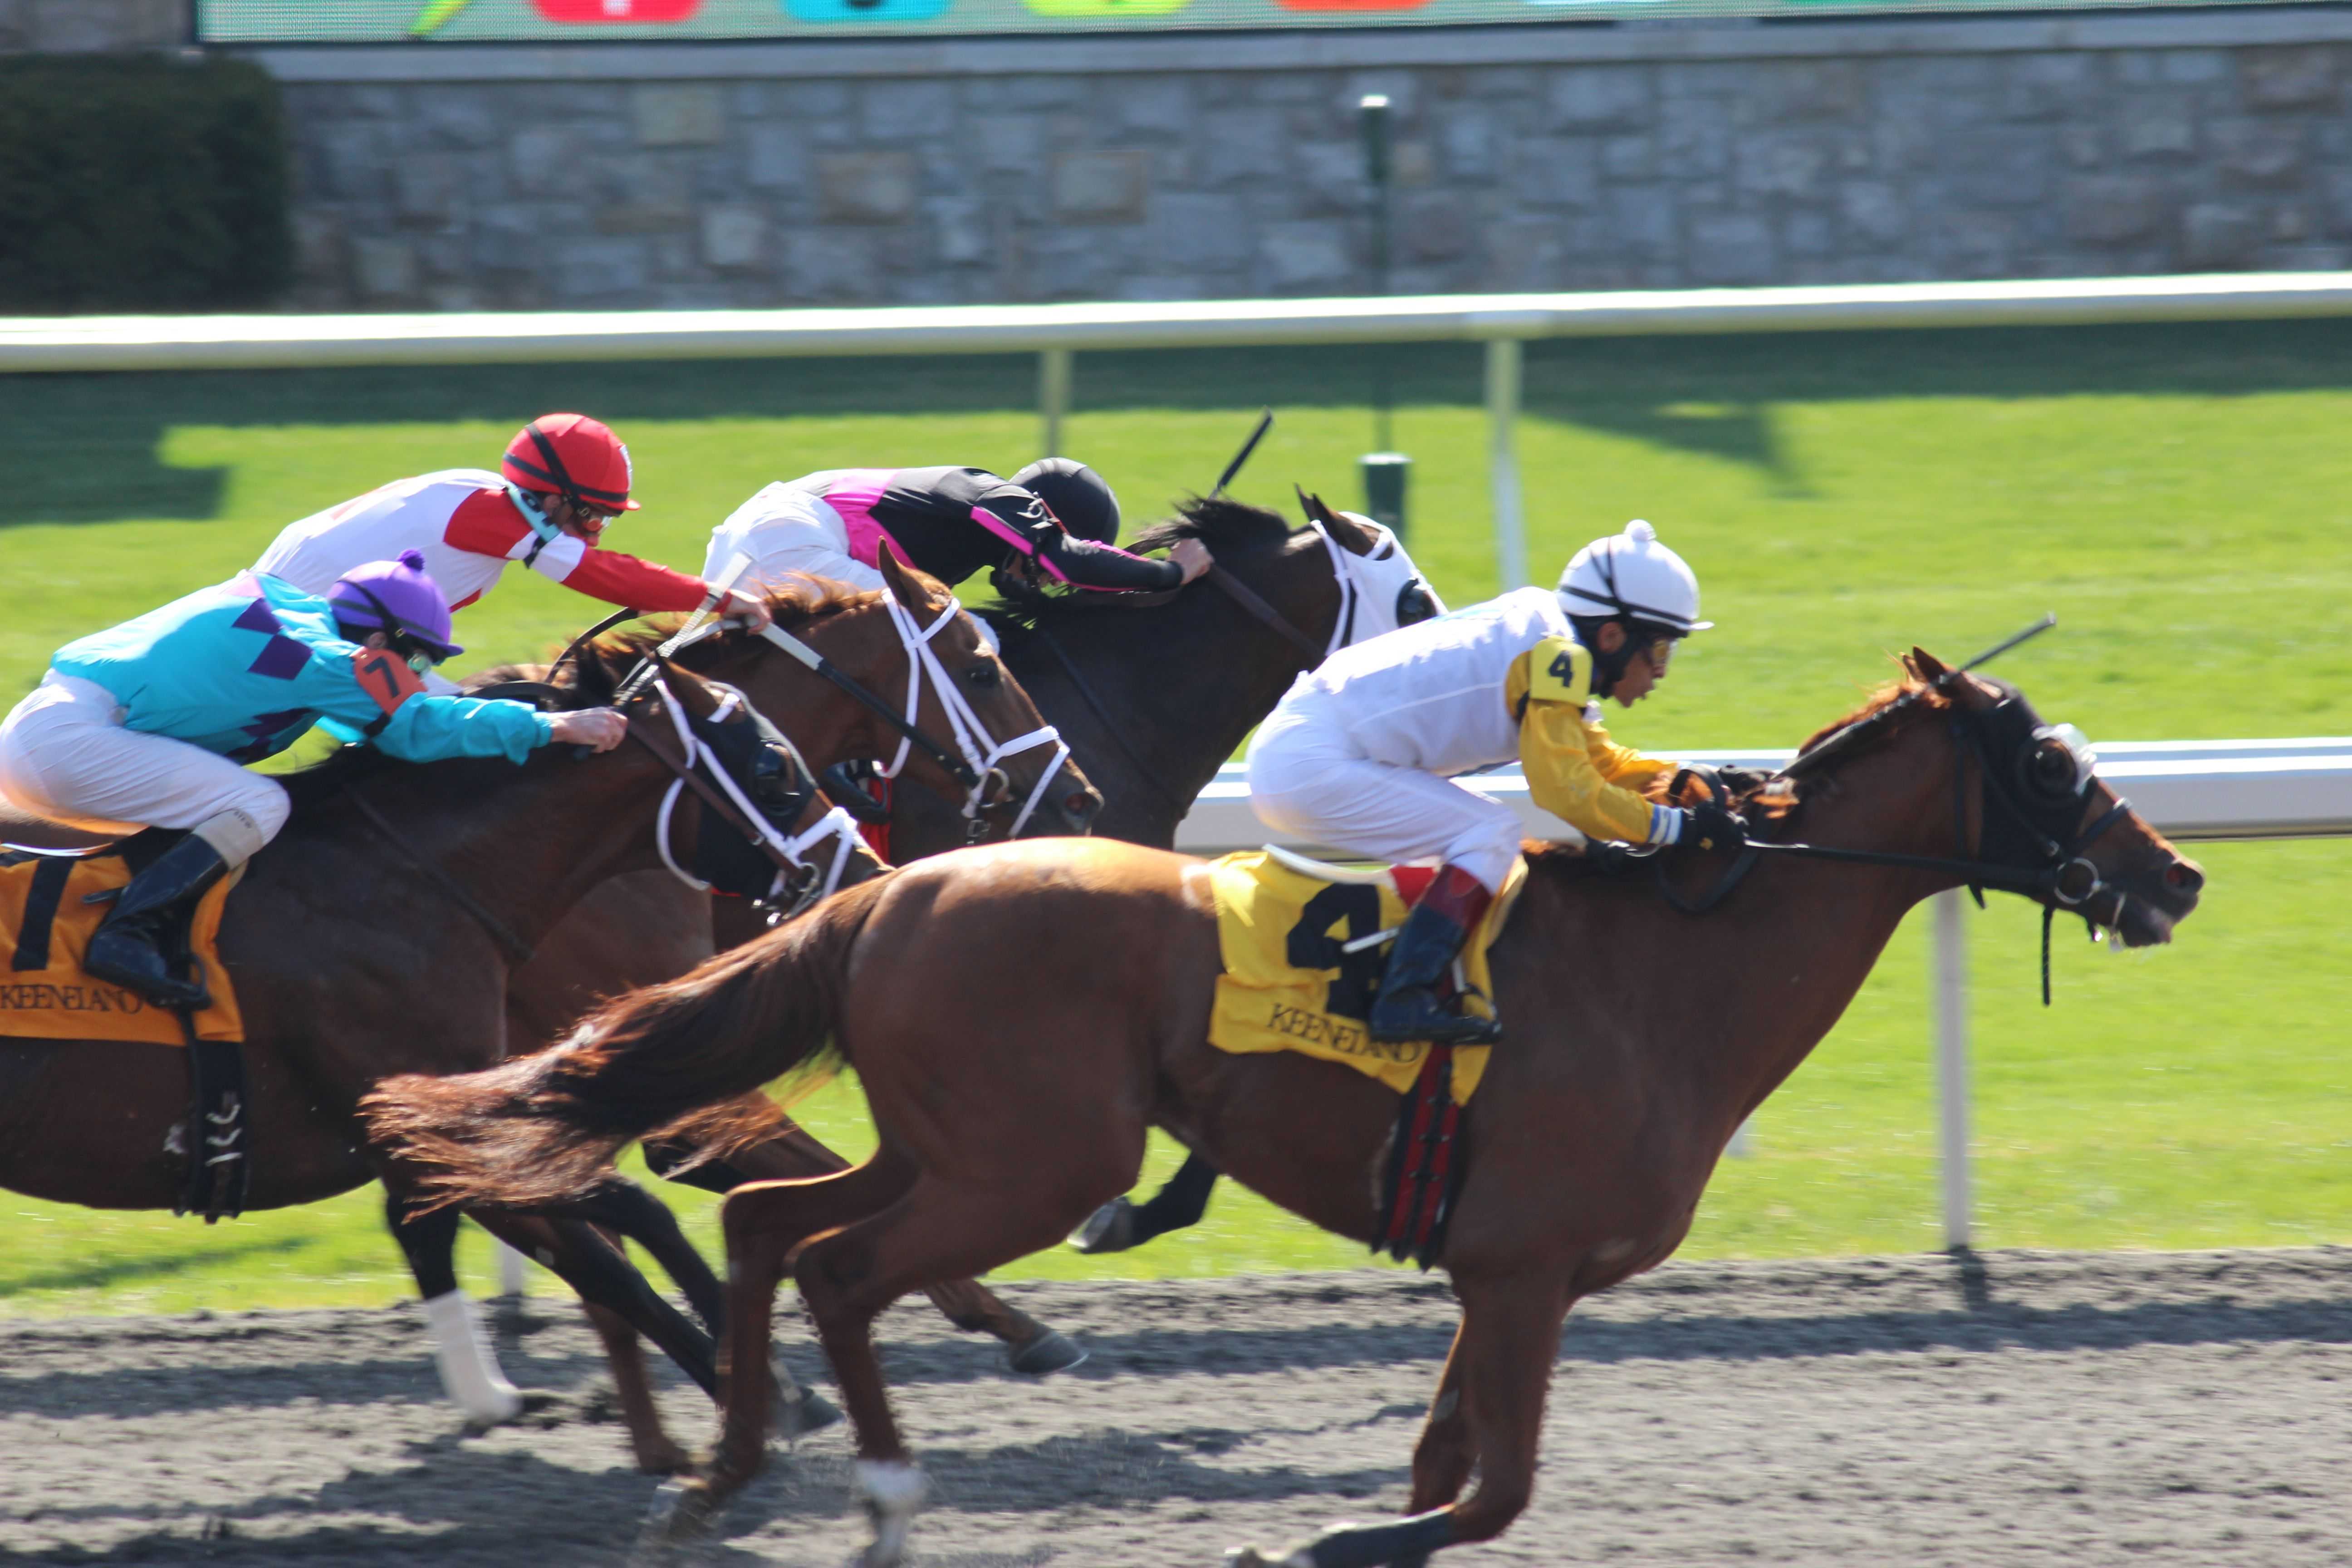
(681, 1059)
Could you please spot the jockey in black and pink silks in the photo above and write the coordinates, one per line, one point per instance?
(1055, 520)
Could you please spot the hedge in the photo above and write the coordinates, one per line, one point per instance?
(140, 182)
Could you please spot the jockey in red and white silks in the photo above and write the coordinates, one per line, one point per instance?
(563, 479)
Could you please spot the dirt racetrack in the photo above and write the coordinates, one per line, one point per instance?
(2028, 1408)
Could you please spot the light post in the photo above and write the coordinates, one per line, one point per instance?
(1385, 470)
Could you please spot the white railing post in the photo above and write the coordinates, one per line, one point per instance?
(1053, 373)
(1503, 461)
(1951, 1003)
(514, 1276)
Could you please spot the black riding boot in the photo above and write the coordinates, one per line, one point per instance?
(128, 949)
(1426, 945)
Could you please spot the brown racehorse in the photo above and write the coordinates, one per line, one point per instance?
(351, 959)
(1013, 1095)
(1151, 698)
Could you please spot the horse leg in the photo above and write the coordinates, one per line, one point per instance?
(1123, 1224)
(603, 1275)
(462, 1354)
(764, 1224)
(792, 1154)
(849, 1276)
(1505, 1350)
(1443, 1457)
(656, 1453)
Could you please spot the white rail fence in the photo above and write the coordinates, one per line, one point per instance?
(2189, 789)
(2207, 790)
(1055, 334)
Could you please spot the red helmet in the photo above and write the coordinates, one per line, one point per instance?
(572, 455)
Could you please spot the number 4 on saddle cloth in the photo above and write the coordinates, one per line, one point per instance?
(1303, 945)
(46, 919)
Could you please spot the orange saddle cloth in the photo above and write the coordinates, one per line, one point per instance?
(44, 927)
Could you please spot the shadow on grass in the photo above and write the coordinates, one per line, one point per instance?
(97, 1276)
(88, 448)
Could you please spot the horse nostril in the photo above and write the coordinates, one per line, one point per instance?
(2185, 876)
(1083, 803)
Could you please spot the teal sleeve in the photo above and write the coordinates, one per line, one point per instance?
(427, 728)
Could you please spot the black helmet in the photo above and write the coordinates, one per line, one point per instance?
(1076, 495)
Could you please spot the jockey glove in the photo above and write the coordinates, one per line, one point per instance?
(1707, 825)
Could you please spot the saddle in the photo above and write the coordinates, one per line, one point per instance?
(49, 876)
(21, 830)
(1302, 946)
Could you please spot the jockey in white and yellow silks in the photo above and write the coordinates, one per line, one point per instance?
(1359, 753)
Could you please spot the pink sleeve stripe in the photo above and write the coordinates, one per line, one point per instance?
(1015, 538)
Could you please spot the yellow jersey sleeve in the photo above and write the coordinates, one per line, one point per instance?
(1573, 769)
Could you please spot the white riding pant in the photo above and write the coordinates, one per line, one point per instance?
(789, 539)
(65, 756)
(1309, 777)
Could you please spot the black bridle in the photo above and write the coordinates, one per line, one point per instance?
(2032, 837)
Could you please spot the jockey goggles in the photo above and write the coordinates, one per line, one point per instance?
(420, 652)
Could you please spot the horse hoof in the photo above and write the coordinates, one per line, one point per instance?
(1111, 1229)
(683, 1511)
(811, 1412)
(1048, 1353)
(1250, 1557)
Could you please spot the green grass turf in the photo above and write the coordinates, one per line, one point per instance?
(2177, 495)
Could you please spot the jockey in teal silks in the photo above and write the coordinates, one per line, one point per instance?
(145, 725)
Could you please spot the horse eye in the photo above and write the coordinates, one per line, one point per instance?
(982, 673)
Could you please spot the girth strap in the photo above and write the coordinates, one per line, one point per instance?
(219, 1160)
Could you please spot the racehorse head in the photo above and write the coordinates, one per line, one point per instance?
(932, 697)
(1982, 779)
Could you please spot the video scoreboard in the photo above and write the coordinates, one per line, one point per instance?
(549, 21)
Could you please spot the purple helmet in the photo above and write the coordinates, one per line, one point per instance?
(397, 597)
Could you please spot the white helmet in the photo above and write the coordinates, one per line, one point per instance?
(1632, 575)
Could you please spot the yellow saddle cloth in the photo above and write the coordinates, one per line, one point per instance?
(1291, 984)
(44, 926)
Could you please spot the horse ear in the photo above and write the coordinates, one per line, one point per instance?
(904, 586)
(1924, 666)
(1351, 536)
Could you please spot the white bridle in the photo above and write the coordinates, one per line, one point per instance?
(982, 752)
(835, 825)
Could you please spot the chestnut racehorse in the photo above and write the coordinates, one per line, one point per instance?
(1013, 1095)
(1152, 698)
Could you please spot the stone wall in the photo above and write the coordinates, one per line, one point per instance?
(80, 27)
(1180, 168)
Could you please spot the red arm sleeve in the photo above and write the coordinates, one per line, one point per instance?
(619, 579)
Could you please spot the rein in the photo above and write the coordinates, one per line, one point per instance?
(1265, 614)
(2064, 877)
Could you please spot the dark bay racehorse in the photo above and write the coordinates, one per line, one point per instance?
(352, 959)
(1640, 1038)
(1152, 698)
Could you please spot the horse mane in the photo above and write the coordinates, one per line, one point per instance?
(1229, 527)
(1779, 811)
